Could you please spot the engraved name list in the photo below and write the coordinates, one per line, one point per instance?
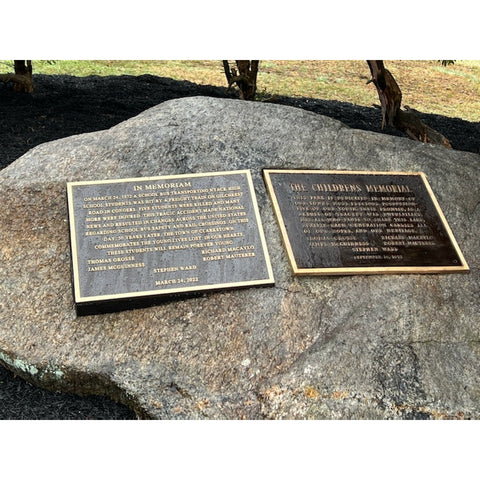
(148, 236)
(361, 222)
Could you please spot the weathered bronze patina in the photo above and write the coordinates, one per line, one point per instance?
(347, 222)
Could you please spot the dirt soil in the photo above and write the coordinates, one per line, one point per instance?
(65, 105)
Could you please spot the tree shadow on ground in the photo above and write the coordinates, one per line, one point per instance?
(64, 105)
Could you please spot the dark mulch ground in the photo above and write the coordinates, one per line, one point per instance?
(65, 105)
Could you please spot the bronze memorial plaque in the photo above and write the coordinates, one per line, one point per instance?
(146, 237)
(347, 222)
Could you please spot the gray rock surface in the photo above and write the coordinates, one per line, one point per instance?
(350, 347)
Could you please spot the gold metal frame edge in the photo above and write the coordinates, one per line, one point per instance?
(463, 268)
(79, 299)
(278, 215)
(173, 291)
(157, 177)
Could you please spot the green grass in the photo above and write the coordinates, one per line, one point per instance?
(453, 90)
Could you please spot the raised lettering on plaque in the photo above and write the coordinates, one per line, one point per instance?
(144, 237)
(337, 222)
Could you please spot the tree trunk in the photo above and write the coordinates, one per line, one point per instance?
(392, 115)
(245, 78)
(22, 78)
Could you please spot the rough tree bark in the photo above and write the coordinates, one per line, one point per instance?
(390, 97)
(22, 78)
(245, 77)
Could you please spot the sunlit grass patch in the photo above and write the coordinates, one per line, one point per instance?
(427, 86)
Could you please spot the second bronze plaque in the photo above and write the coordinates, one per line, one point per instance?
(336, 222)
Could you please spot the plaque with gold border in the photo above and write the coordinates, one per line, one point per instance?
(141, 238)
(361, 222)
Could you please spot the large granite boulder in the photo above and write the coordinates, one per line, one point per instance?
(349, 347)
